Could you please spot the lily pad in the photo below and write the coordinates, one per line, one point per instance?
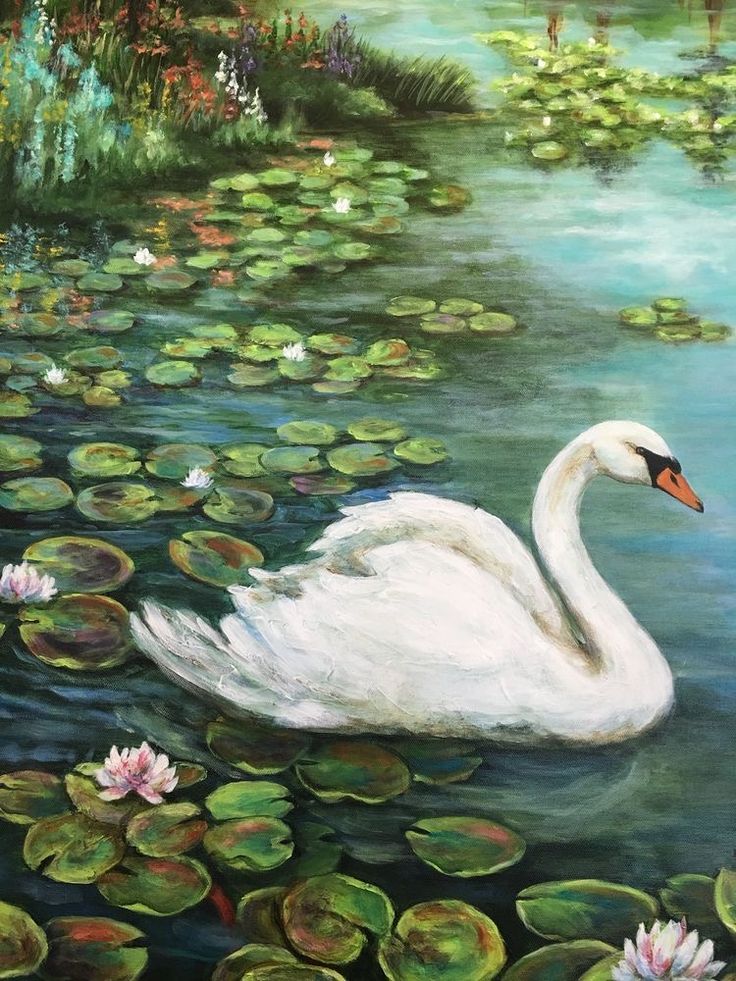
(120, 265)
(638, 317)
(187, 347)
(84, 792)
(465, 846)
(293, 459)
(243, 459)
(207, 260)
(360, 460)
(235, 503)
(156, 886)
(381, 225)
(390, 352)
(422, 450)
(253, 376)
(603, 970)
(306, 369)
(266, 236)
(170, 280)
(27, 796)
(19, 453)
(278, 177)
(258, 201)
(100, 282)
(72, 848)
(253, 749)
(332, 344)
(245, 798)
(492, 322)
(101, 397)
(214, 558)
(173, 374)
(259, 916)
(410, 306)
(81, 565)
(377, 430)
(104, 459)
(670, 304)
(442, 323)
(80, 632)
(252, 844)
(173, 461)
(327, 918)
(584, 909)
(32, 363)
(111, 321)
(35, 494)
(449, 197)
(101, 358)
(23, 945)
(446, 938)
(335, 387)
(240, 182)
(117, 502)
(113, 379)
(15, 405)
(71, 267)
(549, 150)
(166, 830)
(274, 335)
(92, 948)
(348, 368)
(237, 965)
(267, 269)
(559, 962)
(322, 484)
(461, 308)
(21, 281)
(693, 897)
(353, 251)
(725, 899)
(317, 433)
(353, 770)
(291, 972)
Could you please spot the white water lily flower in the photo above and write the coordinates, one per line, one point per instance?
(294, 352)
(592, 42)
(546, 121)
(541, 63)
(329, 159)
(144, 257)
(55, 375)
(138, 770)
(717, 127)
(197, 479)
(667, 953)
(341, 206)
(25, 584)
(508, 137)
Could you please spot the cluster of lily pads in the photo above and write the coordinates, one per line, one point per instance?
(452, 316)
(669, 319)
(156, 839)
(575, 103)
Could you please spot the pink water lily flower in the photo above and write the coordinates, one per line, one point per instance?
(669, 953)
(25, 584)
(140, 771)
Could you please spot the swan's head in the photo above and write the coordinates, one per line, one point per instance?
(635, 454)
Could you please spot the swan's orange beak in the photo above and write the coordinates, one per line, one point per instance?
(676, 486)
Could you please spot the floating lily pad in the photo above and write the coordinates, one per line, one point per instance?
(253, 749)
(439, 761)
(81, 565)
(252, 844)
(104, 459)
(23, 945)
(156, 886)
(187, 347)
(243, 459)
(236, 504)
(21, 383)
(317, 433)
(173, 497)
(214, 558)
(15, 405)
(386, 224)
(214, 332)
(603, 970)
(549, 150)
(638, 316)
(319, 238)
(240, 182)
(32, 363)
(259, 916)
(35, 494)
(207, 260)
(725, 899)
(449, 197)
(166, 830)
(670, 304)
(292, 214)
(253, 376)
(101, 358)
(422, 450)
(71, 267)
(245, 798)
(693, 897)
(410, 306)
(258, 201)
(322, 484)
(72, 848)
(332, 344)
(80, 632)
(111, 321)
(21, 281)
(442, 323)
(561, 962)
(446, 938)
(348, 368)
(335, 387)
(19, 453)
(259, 353)
(265, 236)
(327, 918)
(101, 397)
(170, 280)
(584, 909)
(94, 949)
(38, 325)
(84, 792)
(240, 963)
(305, 369)
(274, 335)
(293, 459)
(492, 323)
(124, 266)
(353, 770)
(118, 502)
(100, 282)
(360, 460)
(278, 177)
(27, 796)
(377, 430)
(353, 251)
(465, 846)
(461, 308)
(173, 461)
(390, 352)
(173, 374)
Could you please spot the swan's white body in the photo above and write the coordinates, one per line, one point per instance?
(424, 615)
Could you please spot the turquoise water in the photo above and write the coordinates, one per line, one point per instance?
(562, 251)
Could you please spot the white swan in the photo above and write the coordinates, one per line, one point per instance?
(427, 616)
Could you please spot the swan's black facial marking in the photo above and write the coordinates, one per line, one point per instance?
(656, 463)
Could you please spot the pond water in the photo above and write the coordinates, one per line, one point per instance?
(562, 250)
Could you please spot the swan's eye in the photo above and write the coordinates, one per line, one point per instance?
(640, 450)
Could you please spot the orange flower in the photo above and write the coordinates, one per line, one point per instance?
(223, 277)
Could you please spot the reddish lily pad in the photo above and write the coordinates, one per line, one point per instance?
(156, 886)
(23, 945)
(72, 848)
(246, 798)
(104, 459)
(35, 494)
(80, 632)
(27, 796)
(173, 461)
(360, 460)
(117, 502)
(332, 344)
(93, 948)
(214, 558)
(254, 749)
(449, 197)
(165, 830)
(81, 565)
(351, 770)
(322, 484)
(253, 844)
(465, 846)
(393, 351)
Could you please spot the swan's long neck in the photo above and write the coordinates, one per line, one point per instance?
(620, 649)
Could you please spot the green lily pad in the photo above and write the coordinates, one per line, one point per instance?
(214, 558)
(80, 632)
(258, 201)
(603, 970)
(274, 335)
(32, 363)
(353, 251)
(213, 332)
(23, 383)
(259, 916)
(266, 236)
(243, 459)
(102, 358)
(360, 460)
(253, 749)
(492, 322)
(291, 972)
(693, 897)
(81, 565)
(118, 502)
(677, 334)
(94, 949)
(465, 846)
(410, 306)
(446, 938)
(111, 321)
(156, 886)
(322, 484)
(317, 433)
(120, 265)
(239, 964)
(252, 844)
(166, 830)
(293, 459)
(549, 150)
(638, 317)
(259, 353)
(173, 461)
(72, 848)
(100, 396)
(23, 945)
(308, 368)
(244, 799)
(559, 962)
(328, 917)
(335, 387)
(100, 282)
(252, 376)
(38, 325)
(386, 224)
(421, 450)
(187, 347)
(353, 770)
(15, 405)
(84, 792)
(20, 282)
(104, 459)
(449, 197)
(292, 214)
(27, 796)
(236, 503)
(584, 909)
(318, 238)
(278, 177)
(442, 323)
(173, 374)
(670, 304)
(170, 280)
(348, 368)
(207, 260)
(461, 308)
(35, 494)
(267, 269)
(393, 351)
(240, 182)
(71, 267)
(725, 899)
(19, 453)
(376, 431)
(173, 497)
